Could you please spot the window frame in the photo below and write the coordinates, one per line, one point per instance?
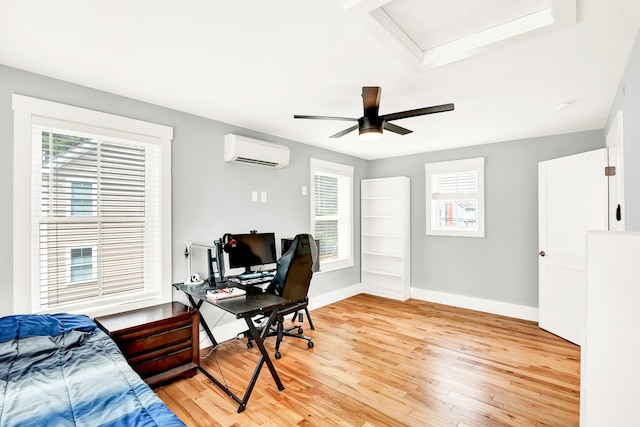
(30, 111)
(346, 171)
(451, 167)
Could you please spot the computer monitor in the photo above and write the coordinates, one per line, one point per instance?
(252, 249)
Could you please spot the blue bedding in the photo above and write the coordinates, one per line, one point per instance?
(61, 370)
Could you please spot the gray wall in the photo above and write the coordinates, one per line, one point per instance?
(210, 197)
(503, 266)
(628, 100)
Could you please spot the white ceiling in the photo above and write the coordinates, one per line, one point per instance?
(256, 63)
(455, 19)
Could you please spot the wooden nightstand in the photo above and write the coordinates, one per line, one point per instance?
(159, 342)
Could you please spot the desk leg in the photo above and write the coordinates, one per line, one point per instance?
(197, 306)
(242, 403)
(258, 338)
(264, 358)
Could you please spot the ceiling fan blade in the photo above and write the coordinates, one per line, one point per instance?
(346, 119)
(418, 112)
(371, 100)
(344, 132)
(397, 129)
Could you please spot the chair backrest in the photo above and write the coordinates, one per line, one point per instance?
(295, 269)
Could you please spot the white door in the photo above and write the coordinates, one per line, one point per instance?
(572, 198)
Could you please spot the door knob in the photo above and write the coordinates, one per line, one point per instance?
(541, 253)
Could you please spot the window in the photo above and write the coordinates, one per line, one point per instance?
(81, 265)
(93, 210)
(332, 213)
(82, 201)
(455, 198)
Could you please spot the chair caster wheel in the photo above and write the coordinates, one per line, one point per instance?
(278, 355)
(249, 344)
(300, 331)
(310, 344)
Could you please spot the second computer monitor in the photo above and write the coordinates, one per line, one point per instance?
(252, 250)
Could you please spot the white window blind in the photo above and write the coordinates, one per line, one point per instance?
(460, 182)
(455, 198)
(112, 216)
(332, 213)
(99, 209)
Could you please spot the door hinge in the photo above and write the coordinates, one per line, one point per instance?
(609, 171)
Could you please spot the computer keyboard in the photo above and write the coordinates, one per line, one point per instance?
(254, 278)
(254, 275)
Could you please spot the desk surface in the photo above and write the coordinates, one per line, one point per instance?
(254, 302)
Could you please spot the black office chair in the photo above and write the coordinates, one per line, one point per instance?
(293, 277)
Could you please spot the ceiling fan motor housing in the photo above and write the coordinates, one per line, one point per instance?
(370, 124)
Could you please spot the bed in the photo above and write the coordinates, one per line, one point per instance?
(61, 370)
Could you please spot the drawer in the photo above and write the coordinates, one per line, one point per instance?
(146, 330)
(161, 352)
(161, 364)
(164, 338)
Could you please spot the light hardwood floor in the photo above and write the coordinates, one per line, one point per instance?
(379, 362)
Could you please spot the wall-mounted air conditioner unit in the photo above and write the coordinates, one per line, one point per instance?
(249, 151)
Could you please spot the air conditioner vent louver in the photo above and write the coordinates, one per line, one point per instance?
(256, 162)
(249, 151)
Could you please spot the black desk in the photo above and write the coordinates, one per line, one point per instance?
(253, 303)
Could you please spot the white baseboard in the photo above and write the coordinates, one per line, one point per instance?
(334, 296)
(488, 306)
(232, 329)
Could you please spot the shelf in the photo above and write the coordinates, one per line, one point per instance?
(390, 236)
(381, 198)
(383, 273)
(384, 254)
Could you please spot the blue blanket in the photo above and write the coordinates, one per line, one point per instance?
(61, 370)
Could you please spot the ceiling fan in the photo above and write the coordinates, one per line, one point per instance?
(370, 125)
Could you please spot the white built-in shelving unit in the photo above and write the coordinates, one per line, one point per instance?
(386, 245)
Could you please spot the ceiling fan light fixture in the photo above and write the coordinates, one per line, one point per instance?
(370, 128)
(371, 135)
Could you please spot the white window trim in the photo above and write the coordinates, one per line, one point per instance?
(453, 166)
(26, 110)
(317, 165)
